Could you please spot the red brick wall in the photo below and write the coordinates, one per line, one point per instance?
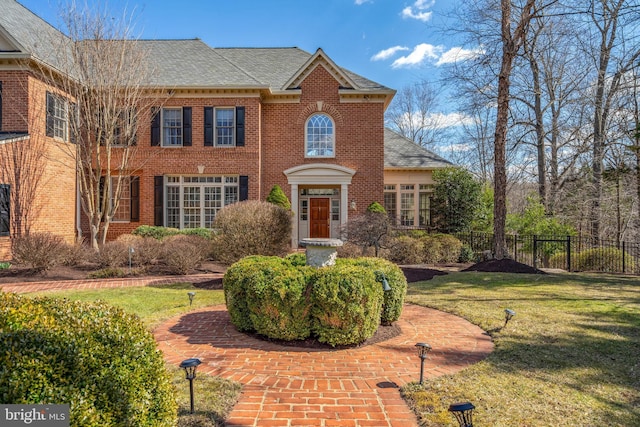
(359, 138)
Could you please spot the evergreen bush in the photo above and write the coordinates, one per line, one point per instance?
(347, 304)
(98, 359)
(278, 198)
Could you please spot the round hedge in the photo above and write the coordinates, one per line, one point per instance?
(98, 359)
(283, 298)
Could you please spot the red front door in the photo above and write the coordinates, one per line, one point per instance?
(319, 224)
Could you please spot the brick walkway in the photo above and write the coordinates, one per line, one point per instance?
(288, 386)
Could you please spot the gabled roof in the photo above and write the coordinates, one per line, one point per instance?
(403, 153)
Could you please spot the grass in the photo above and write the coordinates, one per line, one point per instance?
(570, 356)
(214, 396)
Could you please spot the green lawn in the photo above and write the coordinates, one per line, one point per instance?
(570, 356)
(214, 396)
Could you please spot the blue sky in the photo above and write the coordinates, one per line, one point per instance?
(395, 43)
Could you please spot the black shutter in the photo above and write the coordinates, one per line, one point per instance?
(101, 194)
(158, 200)
(0, 106)
(244, 188)
(239, 126)
(132, 124)
(73, 124)
(208, 126)
(186, 126)
(155, 127)
(5, 209)
(135, 199)
(51, 107)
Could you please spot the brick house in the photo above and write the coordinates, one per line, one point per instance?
(239, 121)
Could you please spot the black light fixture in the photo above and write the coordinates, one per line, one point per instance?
(191, 295)
(190, 366)
(380, 277)
(508, 314)
(423, 350)
(463, 412)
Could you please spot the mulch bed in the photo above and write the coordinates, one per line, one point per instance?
(503, 266)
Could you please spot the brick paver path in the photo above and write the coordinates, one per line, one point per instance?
(289, 386)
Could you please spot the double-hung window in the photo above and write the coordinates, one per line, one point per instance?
(128, 202)
(224, 126)
(407, 205)
(390, 200)
(171, 127)
(5, 209)
(319, 136)
(57, 117)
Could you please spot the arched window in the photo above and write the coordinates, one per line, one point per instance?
(320, 139)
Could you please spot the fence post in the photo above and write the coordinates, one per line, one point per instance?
(568, 253)
(515, 247)
(535, 251)
(623, 256)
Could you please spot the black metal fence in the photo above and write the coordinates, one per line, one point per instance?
(571, 253)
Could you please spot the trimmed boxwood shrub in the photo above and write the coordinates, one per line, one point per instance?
(278, 300)
(98, 359)
(283, 298)
(393, 299)
(347, 303)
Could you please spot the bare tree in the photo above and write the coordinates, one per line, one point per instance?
(413, 113)
(104, 77)
(511, 43)
(613, 56)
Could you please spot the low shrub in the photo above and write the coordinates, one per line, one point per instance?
(252, 228)
(107, 273)
(297, 260)
(406, 250)
(148, 251)
(39, 251)
(450, 247)
(76, 254)
(98, 359)
(394, 298)
(113, 254)
(558, 260)
(182, 254)
(155, 231)
(431, 249)
(204, 233)
(607, 260)
(351, 250)
(235, 282)
(278, 300)
(5, 265)
(466, 254)
(347, 304)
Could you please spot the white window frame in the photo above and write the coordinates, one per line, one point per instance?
(229, 193)
(308, 152)
(60, 117)
(164, 142)
(232, 128)
(123, 213)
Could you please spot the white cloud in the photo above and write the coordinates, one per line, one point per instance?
(442, 120)
(456, 54)
(420, 53)
(359, 2)
(388, 53)
(456, 148)
(418, 10)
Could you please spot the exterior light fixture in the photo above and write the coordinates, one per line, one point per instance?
(380, 277)
(423, 350)
(190, 366)
(508, 314)
(463, 413)
(353, 205)
(191, 295)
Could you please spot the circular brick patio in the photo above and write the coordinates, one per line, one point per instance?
(289, 386)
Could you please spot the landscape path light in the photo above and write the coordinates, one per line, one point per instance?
(463, 412)
(508, 314)
(380, 277)
(191, 295)
(423, 350)
(190, 366)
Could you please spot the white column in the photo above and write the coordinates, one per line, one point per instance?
(295, 205)
(344, 204)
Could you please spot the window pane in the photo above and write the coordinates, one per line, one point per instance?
(406, 209)
(173, 207)
(172, 126)
(123, 211)
(335, 210)
(212, 204)
(191, 207)
(225, 127)
(390, 204)
(230, 195)
(320, 138)
(423, 209)
(60, 115)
